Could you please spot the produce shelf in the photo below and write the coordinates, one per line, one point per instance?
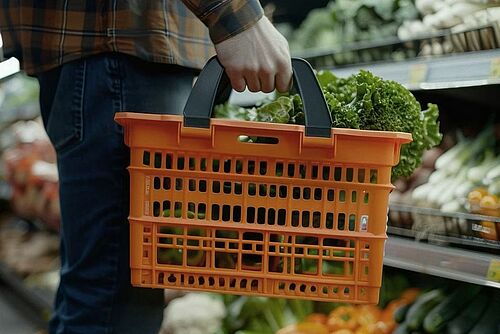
(437, 212)
(456, 228)
(457, 264)
(37, 300)
(443, 240)
(467, 69)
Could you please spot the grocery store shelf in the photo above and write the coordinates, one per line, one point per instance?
(450, 71)
(38, 301)
(455, 228)
(439, 213)
(437, 239)
(463, 265)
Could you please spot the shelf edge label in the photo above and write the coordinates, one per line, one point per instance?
(495, 68)
(417, 73)
(494, 271)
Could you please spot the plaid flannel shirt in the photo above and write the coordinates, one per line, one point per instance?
(46, 34)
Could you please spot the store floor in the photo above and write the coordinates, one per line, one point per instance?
(13, 319)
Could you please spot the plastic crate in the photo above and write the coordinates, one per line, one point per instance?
(300, 216)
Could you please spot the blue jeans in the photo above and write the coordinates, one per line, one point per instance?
(78, 102)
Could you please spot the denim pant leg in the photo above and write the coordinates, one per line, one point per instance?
(78, 103)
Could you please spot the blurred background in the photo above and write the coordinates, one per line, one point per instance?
(444, 220)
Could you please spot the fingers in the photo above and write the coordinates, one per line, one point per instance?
(256, 80)
(266, 78)
(284, 77)
(252, 80)
(237, 81)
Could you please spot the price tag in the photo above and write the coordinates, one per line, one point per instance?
(494, 271)
(495, 68)
(417, 73)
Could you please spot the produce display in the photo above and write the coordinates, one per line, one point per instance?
(440, 27)
(194, 314)
(260, 315)
(465, 178)
(29, 216)
(432, 307)
(26, 252)
(345, 21)
(27, 159)
(29, 165)
(464, 309)
(452, 312)
(457, 16)
(18, 99)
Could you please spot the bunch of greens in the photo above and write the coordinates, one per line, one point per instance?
(348, 21)
(262, 315)
(361, 101)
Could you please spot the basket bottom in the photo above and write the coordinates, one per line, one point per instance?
(269, 287)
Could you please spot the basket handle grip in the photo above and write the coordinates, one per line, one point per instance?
(213, 87)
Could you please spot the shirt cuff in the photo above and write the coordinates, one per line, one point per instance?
(231, 17)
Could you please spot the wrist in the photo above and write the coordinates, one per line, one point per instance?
(231, 18)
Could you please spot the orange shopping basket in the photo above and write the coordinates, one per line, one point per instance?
(297, 212)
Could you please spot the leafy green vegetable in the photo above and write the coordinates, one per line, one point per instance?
(345, 22)
(386, 105)
(264, 315)
(275, 112)
(361, 101)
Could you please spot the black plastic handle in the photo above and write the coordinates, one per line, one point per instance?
(213, 87)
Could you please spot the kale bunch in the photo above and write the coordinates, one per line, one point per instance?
(365, 101)
(361, 101)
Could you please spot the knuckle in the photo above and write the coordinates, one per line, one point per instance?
(284, 64)
(249, 68)
(233, 71)
(281, 86)
(267, 71)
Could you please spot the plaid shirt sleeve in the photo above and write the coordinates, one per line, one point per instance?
(10, 43)
(226, 18)
(47, 34)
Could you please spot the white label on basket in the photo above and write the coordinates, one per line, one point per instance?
(147, 185)
(147, 189)
(363, 225)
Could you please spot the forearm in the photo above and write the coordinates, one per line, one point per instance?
(226, 18)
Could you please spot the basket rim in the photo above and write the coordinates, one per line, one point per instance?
(123, 116)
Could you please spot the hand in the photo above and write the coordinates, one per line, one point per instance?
(258, 58)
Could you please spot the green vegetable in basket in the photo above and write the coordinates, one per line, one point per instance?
(361, 101)
(195, 257)
(275, 112)
(386, 105)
